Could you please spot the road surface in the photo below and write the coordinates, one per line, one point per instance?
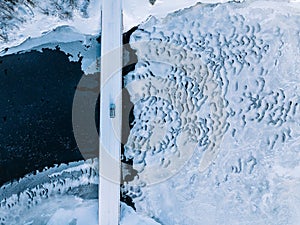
(110, 112)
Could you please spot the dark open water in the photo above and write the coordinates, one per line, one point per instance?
(36, 95)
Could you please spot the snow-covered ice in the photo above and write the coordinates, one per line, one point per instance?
(136, 12)
(65, 194)
(130, 217)
(226, 78)
(41, 197)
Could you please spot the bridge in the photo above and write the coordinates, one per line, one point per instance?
(110, 112)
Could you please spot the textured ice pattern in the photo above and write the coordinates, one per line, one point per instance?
(61, 195)
(216, 94)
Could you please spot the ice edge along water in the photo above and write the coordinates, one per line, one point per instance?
(38, 198)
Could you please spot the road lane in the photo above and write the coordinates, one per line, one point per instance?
(110, 112)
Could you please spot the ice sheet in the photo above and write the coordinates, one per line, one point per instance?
(224, 80)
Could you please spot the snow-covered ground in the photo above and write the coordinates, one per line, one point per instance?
(73, 26)
(21, 20)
